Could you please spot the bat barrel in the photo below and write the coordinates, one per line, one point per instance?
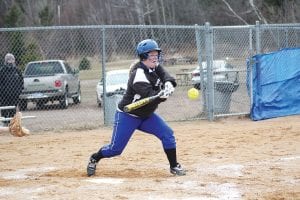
(140, 103)
(136, 105)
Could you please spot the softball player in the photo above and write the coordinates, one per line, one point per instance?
(147, 78)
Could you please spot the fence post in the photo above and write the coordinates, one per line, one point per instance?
(209, 88)
(257, 36)
(258, 51)
(198, 44)
(250, 63)
(103, 77)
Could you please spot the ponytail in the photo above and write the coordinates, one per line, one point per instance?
(133, 66)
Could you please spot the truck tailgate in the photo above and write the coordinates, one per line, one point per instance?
(38, 84)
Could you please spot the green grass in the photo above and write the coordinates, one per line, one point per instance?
(96, 70)
(90, 74)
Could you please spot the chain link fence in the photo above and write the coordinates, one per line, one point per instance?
(212, 59)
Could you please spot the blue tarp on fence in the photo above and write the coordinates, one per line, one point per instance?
(275, 84)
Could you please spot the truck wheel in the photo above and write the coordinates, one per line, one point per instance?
(64, 102)
(40, 104)
(197, 86)
(23, 105)
(77, 99)
(99, 103)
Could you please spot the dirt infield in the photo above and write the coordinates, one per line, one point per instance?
(233, 158)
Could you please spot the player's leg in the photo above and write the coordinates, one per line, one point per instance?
(124, 126)
(156, 125)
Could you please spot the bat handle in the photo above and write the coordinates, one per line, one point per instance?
(126, 109)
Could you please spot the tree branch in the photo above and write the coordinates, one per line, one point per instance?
(257, 12)
(234, 13)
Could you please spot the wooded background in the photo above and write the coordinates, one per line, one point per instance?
(24, 13)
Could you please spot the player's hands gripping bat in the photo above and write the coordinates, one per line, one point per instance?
(142, 102)
(164, 94)
(168, 90)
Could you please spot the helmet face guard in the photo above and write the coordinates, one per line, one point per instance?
(145, 46)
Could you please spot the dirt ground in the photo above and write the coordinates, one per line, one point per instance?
(231, 158)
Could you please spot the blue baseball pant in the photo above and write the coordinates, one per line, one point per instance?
(125, 125)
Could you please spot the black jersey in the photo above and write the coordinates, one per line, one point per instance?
(144, 82)
(11, 84)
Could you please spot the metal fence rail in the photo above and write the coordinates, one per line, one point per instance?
(184, 48)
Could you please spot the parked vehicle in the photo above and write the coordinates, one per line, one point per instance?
(116, 83)
(222, 71)
(50, 80)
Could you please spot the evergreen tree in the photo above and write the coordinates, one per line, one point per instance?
(85, 64)
(16, 39)
(46, 17)
(13, 18)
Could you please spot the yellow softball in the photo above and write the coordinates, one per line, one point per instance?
(193, 94)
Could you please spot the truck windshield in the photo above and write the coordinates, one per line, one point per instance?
(43, 69)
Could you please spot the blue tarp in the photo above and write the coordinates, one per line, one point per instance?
(275, 84)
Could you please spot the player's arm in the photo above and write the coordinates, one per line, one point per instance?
(165, 76)
(144, 89)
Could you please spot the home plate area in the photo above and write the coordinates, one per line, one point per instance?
(21, 183)
(250, 160)
(209, 190)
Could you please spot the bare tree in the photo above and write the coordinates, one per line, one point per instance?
(257, 12)
(228, 12)
(234, 13)
(140, 11)
(290, 7)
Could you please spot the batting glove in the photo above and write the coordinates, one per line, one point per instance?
(163, 94)
(169, 88)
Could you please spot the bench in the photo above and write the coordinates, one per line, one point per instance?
(183, 78)
(4, 119)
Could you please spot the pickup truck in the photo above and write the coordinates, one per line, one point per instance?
(48, 81)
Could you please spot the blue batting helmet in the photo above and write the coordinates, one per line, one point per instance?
(145, 46)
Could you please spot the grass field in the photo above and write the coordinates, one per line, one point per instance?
(96, 68)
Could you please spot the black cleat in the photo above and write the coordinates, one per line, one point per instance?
(177, 170)
(91, 168)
